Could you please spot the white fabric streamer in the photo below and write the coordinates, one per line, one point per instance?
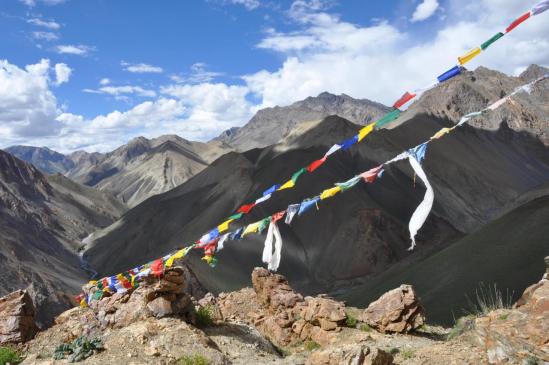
(402, 156)
(291, 212)
(222, 241)
(270, 258)
(333, 149)
(424, 208)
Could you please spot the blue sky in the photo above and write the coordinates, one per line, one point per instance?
(93, 74)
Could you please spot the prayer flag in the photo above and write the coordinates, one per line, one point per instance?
(264, 223)
(287, 185)
(245, 209)
(517, 21)
(271, 190)
(419, 151)
(328, 193)
(237, 234)
(454, 71)
(424, 208)
(306, 205)
(540, 7)
(315, 164)
(403, 100)
(224, 226)
(251, 228)
(469, 56)
(221, 242)
(365, 131)
(291, 211)
(349, 183)
(387, 118)
(371, 175)
(349, 142)
(489, 42)
(235, 217)
(157, 267)
(278, 216)
(441, 132)
(262, 199)
(333, 149)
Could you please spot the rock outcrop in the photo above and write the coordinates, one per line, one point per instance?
(17, 318)
(398, 310)
(519, 334)
(282, 315)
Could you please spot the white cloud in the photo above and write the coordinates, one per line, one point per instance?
(62, 73)
(120, 90)
(27, 106)
(198, 75)
(32, 3)
(425, 10)
(141, 68)
(104, 81)
(45, 36)
(78, 50)
(248, 4)
(50, 24)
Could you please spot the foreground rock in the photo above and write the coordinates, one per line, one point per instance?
(519, 334)
(398, 310)
(355, 354)
(17, 318)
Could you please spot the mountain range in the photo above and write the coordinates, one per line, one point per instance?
(486, 175)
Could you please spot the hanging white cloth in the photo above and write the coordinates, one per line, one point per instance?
(424, 208)
(270, 258)
(222, 241)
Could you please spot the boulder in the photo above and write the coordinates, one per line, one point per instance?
(17, 318)
(398, 310)
(353, 354)
(518, 334)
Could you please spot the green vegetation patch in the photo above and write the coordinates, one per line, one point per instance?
(195, 359)
(9, 356)
(78, 350)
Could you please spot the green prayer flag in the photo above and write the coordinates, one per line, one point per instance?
(349, 183)
(263, 224)
(489, 42)
(298, 174)
(235, 216)
(387, 118)
(98, 295)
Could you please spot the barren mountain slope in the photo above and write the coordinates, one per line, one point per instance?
(44, 159)
(42, 223)
(144, 168)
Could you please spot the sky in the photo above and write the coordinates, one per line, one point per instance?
(93, 74)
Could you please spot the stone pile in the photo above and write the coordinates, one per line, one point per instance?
(17, 318)
(173, 294)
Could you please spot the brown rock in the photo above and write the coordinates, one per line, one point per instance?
(514, 335)
(160, 307)
(324, 309)
(354, 354)
(273, 290)
(17, 318)
(398, 310)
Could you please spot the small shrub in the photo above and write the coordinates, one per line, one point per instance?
(365, 328)
(504, 317)
(194, 359)
(531, 361)
(407, 354)
(79, 350)
(487, 299)
(464, 324)
(9, 356)
(204, 316)
(350, 320)
(311, 345)
(393, 350)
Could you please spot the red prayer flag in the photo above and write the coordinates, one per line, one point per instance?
(371, 175)
(314, 165)
(403, 99)
(157, 267)
(246, 208)
(517, 21)
(277, 216)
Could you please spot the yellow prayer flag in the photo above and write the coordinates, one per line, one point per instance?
(441, 132)
(178, 255)
(469, 55)
(251, 228)
(287, 185)
(92, 282)
(83, 303)
(365, 131)
(328, 193)
(224, 226)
